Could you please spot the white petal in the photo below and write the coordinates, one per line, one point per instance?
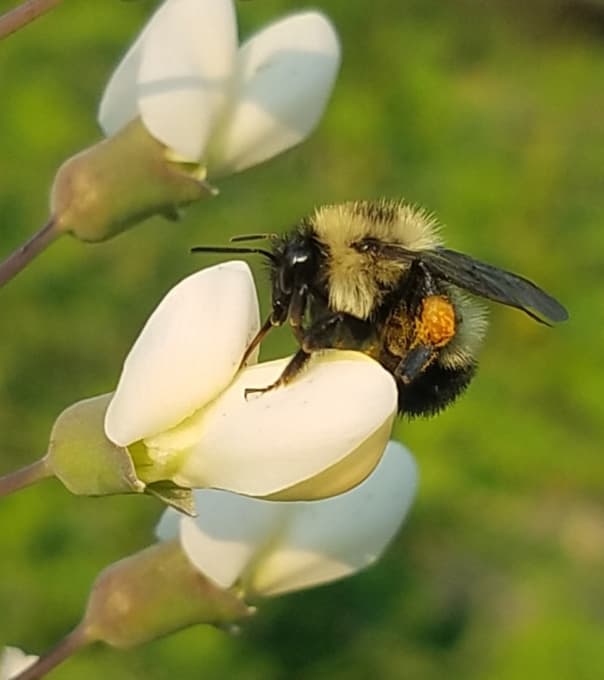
(119, 103)
(226, 534)
(277, 440)
(186, 73)
(287, 72)
(177, 76)
(168, 526)
(13, 661)
(230, 533)
(187, 353)
(275, 547)
(330, 539)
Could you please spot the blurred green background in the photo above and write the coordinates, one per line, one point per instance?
(491, 114)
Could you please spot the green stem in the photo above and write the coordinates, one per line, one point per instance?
(26, 476)
(68, 645)
(24, 14)
(21, 257)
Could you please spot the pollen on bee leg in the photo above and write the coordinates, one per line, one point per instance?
(435, 324)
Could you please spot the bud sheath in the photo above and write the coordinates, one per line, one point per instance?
(153, 593)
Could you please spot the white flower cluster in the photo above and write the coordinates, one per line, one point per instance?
(180, 407)
(295, 487)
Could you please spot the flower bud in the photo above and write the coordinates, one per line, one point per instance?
(83, 458)
(119, 182)
(152, 593)
(208, 108)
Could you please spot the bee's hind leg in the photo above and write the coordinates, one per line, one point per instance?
(295, 366)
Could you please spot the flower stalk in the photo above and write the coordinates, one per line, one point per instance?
(70, 644)
(15, 481)
(20, 258)
(24, 14)
(152, 593)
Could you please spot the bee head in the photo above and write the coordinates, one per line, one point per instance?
(293, 269)
(297, 265)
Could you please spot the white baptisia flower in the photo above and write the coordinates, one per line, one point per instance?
(180, 407)
(265, 548)
(13, 661)
(214, 103)
(184, 104)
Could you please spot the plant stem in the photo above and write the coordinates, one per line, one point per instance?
(24, 14)
(68, 645)
(21, 257)
(26, 476)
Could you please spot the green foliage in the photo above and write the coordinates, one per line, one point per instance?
(489, 114)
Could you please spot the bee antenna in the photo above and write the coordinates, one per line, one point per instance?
(252, 237)
(232, 249)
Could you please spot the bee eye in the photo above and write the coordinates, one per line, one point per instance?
(367, 245)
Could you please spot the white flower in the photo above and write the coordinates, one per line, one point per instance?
(13, 661)
(180, 405)
(213, 103)
(268, 548)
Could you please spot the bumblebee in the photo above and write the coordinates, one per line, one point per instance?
(375, 277)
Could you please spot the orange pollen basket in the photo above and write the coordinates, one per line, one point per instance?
(436, 323)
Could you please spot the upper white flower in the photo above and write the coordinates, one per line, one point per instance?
(13, 661)
(213, 103)
(268, 548)
(180, 405)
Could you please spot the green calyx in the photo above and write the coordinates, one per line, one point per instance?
(153, 593)
(89, 464)
(121, 181)
(81, 456)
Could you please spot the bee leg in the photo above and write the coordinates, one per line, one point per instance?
(256, 340)
(297, 363)
(333, 331)
(414, 363)
(275, 319)
(435, 327)
(297, 307)
(294, 312)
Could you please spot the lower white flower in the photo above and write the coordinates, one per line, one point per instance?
(14, 661)
(263, 548)
(180, 407)
(240, 549)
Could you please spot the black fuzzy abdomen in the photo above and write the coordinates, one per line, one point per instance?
(433, 390)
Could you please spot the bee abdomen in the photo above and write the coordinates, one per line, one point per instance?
(434, 389)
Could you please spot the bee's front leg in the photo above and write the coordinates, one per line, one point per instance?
(332, 331)
(293, 368)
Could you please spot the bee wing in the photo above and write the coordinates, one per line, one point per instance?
(485, 281)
